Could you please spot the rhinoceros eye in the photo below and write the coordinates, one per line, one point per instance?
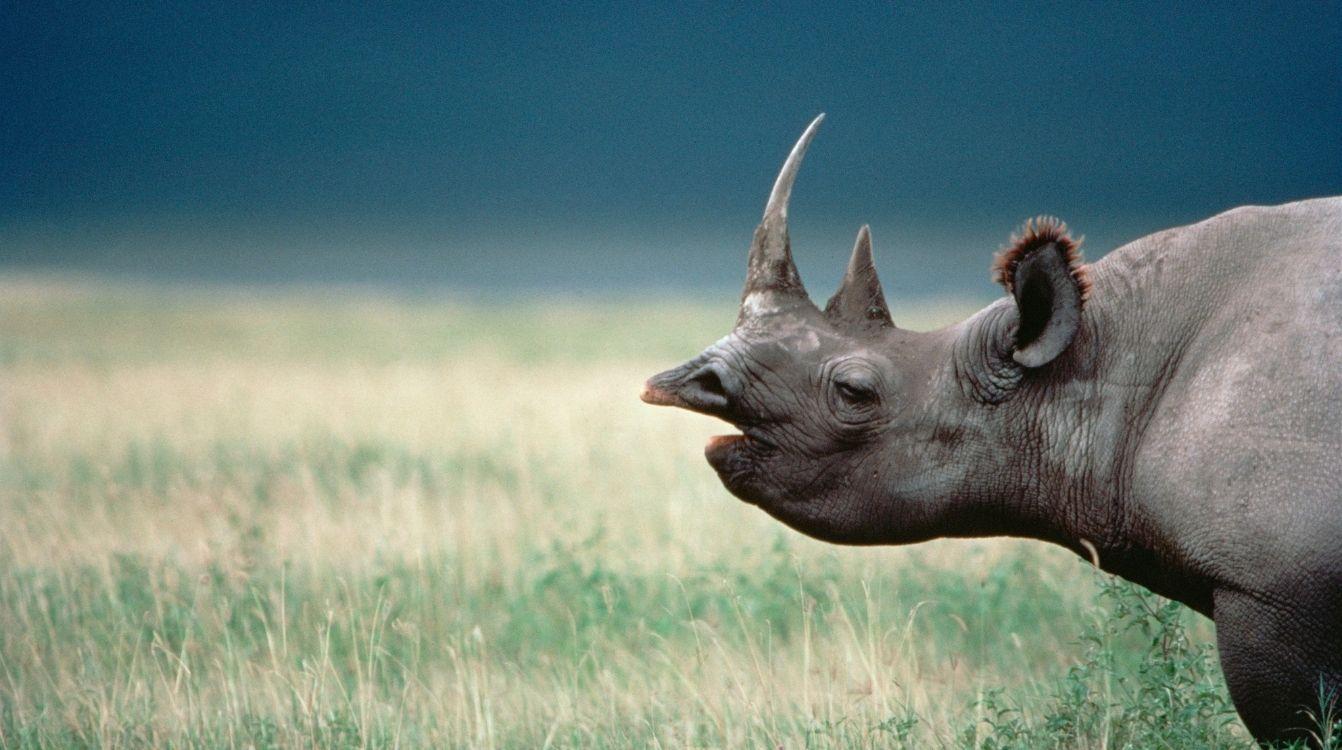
(853, 389)
(854, 392)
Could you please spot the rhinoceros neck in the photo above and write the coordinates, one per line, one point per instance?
(1073, 430)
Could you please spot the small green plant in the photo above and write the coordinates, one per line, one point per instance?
(1326, 729)
(1142, 682)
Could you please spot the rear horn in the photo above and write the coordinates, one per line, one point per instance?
(859, 301)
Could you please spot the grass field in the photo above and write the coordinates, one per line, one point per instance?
(328, 519)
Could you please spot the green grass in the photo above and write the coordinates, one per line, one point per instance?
(329, 519)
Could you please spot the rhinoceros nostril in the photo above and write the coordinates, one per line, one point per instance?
(706, 387)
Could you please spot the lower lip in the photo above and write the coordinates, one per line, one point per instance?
(720, 447)
(722, 441)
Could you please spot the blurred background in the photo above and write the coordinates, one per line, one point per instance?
(534, 147)
(322, 328)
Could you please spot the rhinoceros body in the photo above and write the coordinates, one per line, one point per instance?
(1228, 336)
(1173, 411)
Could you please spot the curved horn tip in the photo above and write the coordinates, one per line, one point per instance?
(782, 190)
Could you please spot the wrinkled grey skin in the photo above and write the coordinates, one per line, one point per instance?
(1186, 423)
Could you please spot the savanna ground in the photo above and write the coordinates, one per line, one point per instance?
(326, 518)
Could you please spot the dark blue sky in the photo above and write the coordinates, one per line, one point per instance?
(584, 145)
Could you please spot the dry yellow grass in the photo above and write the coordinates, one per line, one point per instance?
(327, 518)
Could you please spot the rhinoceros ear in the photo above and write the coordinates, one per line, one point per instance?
(1044, 272)
(859, 301)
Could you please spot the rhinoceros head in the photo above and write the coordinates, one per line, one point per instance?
(851, 429)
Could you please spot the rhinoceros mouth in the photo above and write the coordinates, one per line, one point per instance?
(735, 455)
(744, 442)
(736, 460)
(720, 445)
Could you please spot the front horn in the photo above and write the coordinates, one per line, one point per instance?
(771, 276)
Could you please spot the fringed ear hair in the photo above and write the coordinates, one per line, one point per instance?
(1034, 234)
(1044, 272)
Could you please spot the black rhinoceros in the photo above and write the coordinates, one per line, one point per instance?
(1173, 411)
